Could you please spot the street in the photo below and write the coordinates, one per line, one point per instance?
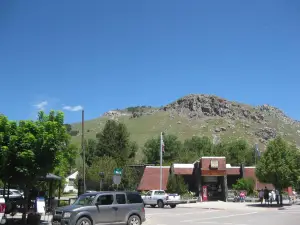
(247, 216)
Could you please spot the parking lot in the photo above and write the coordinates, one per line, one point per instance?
(195, 215)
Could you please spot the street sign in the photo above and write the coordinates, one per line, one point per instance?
(117, 179)
(117, 171)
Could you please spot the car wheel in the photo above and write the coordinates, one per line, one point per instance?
(134, 220)
(84, 221)
(173, 206)
(160, 204)
(152, 206)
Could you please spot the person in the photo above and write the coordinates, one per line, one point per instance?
(242, 196)
(261, 196)
(277, 196)
(273, 195)
(266, 195)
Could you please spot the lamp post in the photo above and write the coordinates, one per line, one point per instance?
(101, 174)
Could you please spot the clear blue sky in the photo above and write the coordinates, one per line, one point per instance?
(103, 55)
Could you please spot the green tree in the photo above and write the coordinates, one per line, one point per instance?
(90, 146)
(114, 141)
(104, 164)
(236, 152)
(176, 184)
(278, 165)
(172, 148)
(29, 148)
(195, 148)
(245, 184)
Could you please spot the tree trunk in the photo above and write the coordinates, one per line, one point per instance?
(26, 201)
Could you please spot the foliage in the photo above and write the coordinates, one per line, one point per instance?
(114, 141)
(104, 164)
(236, 152)
(130, 179)
(31, 149)
(245, 184)
(172, 149)
(278, 165)
(176, 184)
(90, 147)
(195, 148)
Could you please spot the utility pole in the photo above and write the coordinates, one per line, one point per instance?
(83, 150)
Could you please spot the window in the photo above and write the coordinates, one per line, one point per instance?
(105, 199)
(159, 193)
(133, 198)
(84, 200)
(148, 193)
(71, 182)
(120, 198)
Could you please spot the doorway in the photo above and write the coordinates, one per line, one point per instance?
(215, 187)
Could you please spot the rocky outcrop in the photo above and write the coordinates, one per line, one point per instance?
(198, 106)
(266, 133)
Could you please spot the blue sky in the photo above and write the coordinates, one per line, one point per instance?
(103, 55)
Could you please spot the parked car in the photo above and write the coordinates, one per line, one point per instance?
(161, 198)
(13, 194)
(2, 210)
(102, 207)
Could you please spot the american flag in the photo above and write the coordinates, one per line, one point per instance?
(162, 146)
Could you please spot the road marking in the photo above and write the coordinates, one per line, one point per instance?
(179, 214)
(218, 217)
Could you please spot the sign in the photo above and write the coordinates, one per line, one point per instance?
(117, 171)
(214, 164)
(204, 193)
(117, 179)
(40, 205)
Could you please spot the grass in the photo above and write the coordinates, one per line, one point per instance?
(149, 126)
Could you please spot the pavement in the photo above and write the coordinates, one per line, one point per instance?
(240, 215)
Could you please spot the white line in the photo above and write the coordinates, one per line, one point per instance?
(218, 217)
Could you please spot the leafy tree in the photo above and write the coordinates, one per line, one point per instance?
(195, 148)
(278, 165)
(236, 152)
(172, 149)
(104, 164)
(29, 149)
(245, 184)
(90, 146)
(114, 141)
(176, 184)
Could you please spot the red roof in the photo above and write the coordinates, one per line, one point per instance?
(150, 179)
(183, 171)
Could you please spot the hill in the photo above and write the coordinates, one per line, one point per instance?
(199, 115)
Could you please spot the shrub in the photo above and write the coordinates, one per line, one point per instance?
(246, 184)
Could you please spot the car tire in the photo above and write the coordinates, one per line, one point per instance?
(173, 206)
(152, 206)
(84, 221)
(160, 204)
(134, 220)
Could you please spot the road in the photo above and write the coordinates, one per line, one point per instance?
(193, 215)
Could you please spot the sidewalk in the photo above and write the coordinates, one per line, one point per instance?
(220, 205)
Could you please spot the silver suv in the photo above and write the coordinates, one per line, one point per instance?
(104, 208)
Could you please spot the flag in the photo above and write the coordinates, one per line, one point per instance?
(162, 145)
(257, 152)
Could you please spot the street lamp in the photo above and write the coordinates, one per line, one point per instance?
(101, 174)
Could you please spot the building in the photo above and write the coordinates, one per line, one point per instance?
(70, 183)
(212, 173)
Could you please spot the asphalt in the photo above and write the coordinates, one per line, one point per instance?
(240, 215)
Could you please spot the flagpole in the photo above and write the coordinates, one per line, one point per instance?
(160, 177)
(256, 149)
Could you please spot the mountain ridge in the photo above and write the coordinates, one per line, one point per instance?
(200, 115)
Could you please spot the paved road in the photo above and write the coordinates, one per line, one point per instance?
(193, 215)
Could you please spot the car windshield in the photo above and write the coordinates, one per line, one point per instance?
(84, 200)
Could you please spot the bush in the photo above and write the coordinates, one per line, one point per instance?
(245, 184)
(176, 184)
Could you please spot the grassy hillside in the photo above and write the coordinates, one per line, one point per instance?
(200, 116)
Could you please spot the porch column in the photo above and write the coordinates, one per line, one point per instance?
(225, 190)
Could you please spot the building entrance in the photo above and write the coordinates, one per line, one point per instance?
(215, 187)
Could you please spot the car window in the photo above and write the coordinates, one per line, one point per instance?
(159, 192)
(148, 193)
(84, 200)
(105, 199)
(120, 198)
(133, 198)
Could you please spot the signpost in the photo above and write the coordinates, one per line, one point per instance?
(118, 171)
(117, 176)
